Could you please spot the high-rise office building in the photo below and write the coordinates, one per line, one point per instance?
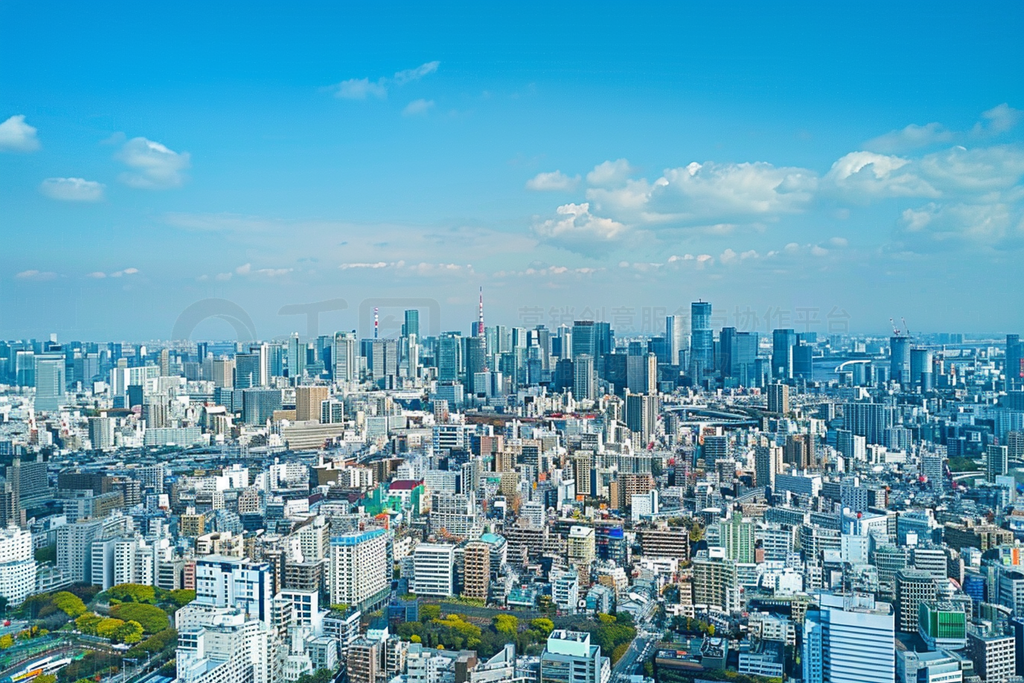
(1014, 365)
(642, 415)
(477, 572)
(737, 538)
(584, 338)
(359, 574)
(912, 588)
(584, 379)
(921, 361)
(849, 639)
(384, 362)
(675, 338)
(783, 342)
(248, 372)
(309, 400)
(433, 570)
(411, 325)
(17, 565)
(870, 420)
(778, 398)
(235, 582)
(996, 461)
(803, 361)
(258, 405)
(449, 357)
(296, 358)
(570, 658)
(767, 464)
(49, 381)
(702, 340)
(344, 357)
(899, 359)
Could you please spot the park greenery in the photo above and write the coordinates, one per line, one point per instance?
(454, 631)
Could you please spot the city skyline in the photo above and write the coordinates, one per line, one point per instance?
(740, 158)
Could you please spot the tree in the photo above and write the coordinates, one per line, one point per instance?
(68, 603)
(132, 592)
(506, 624)
(6, 641)
(87, 623)
(181, 596)
(152, 618)
(108, 627)
(129, 632)
(429, 612)
(155, 644)
(544, 626)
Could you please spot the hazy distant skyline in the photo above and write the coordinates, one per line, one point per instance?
(863, 159)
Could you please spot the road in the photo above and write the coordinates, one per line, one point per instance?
(637, 653)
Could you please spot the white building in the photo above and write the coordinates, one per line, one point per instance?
(851, 639)
(433, 569)
(17, 565)
(359, 573)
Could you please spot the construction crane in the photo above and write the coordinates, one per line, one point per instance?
(895, 330)
(906, 328)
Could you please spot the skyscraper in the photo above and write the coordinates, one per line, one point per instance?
(411, 326)
(675, 338)
(849, 639)
(449, 357)
(702, 340)
(49, 381)
(1014, 361)
(783, 342)
(778, 398)
(308, 400)
(584, 338)
(360, 575)
(899, 359)
(296, 359)
(584, 379)
(344, 357)
(802, 361)
(570, 658)
(996, 461)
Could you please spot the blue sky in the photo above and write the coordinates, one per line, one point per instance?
(813, 164)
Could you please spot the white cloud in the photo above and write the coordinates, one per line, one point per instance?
(360, 89)
(974, 170)
(839, 242)
(72, 189)
(18, 136)
(709, 195)
(418, 107)
(154, 166)
(246, 269)
(363, 88)
(556, 181)
(98, 275)
(935, 225)
(125, 272)
(997, 120)
(911, 137)
(577, 229)
(867, 175)
(610, 173)
(373, 266)
(409, 75)
(36, 275)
